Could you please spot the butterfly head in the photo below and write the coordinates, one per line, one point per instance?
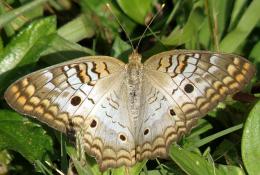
(134, 57)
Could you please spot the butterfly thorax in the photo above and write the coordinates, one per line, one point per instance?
(134, 76)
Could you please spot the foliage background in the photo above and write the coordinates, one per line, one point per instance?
(40, 33)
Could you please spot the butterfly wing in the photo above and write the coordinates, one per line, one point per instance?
(109, 135)
(186, 85)
(80, 95)
(158, 127)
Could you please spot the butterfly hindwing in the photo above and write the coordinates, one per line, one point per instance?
(108, 133)
(159, 126)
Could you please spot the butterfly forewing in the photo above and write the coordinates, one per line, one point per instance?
(54, 94)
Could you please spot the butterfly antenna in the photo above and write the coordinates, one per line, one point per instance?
(128, 37)
(147, 27)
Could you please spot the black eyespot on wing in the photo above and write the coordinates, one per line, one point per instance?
(146, 131)
(188, 88)
(75, 100)
(93, 124)
(122, 137)
(172, 112)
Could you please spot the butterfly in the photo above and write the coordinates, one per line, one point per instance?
(129, 112)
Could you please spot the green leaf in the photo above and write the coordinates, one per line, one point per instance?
(9, 16)
(1, 45)
(212, 137)
(202, 127)
(19, 134)
(136, 9)
(248, 21)
(195, 164)
(190, 162)
(86, 166)
(121, 49)
(236, 12)
(230, 170)
(99, 16)
(255, 53)
(60, 50)
(25, 49)
(77, 29)
(136, 169)
(251, 141)
(217, 16)
(255, 58)
(189, 34)
(7, 27)
(28, 11)
(21, 44)
(81, 170)
(223, 148)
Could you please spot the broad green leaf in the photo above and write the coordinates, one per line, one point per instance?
(157, 172)
(195, 164)
(255, 58)
(251, 141)
(172, 15)
(24, 50)
(136, 169)
(60, 5)
(121, 49)
(191, 163)
(125, 21)
(202, 127)
(9, 16)
(5, 157)
(136, 9)
(217, 18)
(42, 168)
(158, 47)
(222, 149)
(7, 27)
(1, 45)
(87, 166)
(119, 171)
(217, 135)
(60, 50)
(21, 44)
(204, 35)
(19, 134)
(77, 29)
(103, 19)
(230, 170)
(33, 10)
(255, 53)
(221, 13)
(189, 34)
(236, 12)
(248, 21)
